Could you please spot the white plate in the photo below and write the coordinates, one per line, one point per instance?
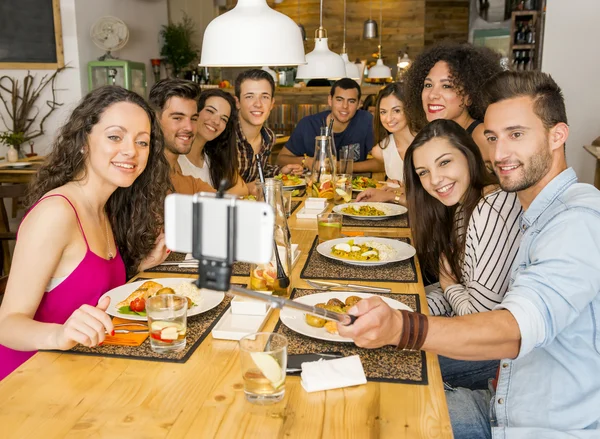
(210, 298)
(403, 250)
(16, 165)
(294, 319)
(297, 186)
(389, 208)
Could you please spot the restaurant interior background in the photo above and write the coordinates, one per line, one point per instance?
(409, 25)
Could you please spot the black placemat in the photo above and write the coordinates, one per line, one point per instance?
(400, 221)
(320, 267)
(239, 268)
(295, 205)
(386, 364)
(198, 327)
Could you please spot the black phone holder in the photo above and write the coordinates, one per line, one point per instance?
(214, 273)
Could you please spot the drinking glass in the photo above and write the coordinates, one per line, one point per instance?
(167, 322)
(329, 226)
(287, 203)
(263, 357)
(343, 189)
(346, 160)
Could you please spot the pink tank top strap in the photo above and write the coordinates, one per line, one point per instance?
(74, 210)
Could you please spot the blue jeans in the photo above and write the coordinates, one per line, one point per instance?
(470, 413)
(472, 375)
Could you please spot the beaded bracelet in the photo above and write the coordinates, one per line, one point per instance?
(414, 331)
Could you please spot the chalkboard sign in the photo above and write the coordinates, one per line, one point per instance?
(30, 34)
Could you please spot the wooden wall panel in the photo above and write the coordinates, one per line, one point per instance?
(446, 20)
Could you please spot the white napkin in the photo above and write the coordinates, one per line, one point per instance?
(332, 374)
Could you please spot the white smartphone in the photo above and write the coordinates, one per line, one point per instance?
(254, 226)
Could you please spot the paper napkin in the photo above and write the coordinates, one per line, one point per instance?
(332, 374)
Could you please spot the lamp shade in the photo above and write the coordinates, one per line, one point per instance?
(404, 62)
(351, 68)
(322, 63)
(380, 70)
(252, 35)
(370, 29)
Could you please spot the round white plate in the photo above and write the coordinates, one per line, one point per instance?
(390, 209)
(297, 186)
(17, 165)
(402, 249)
(210, 298)
(294, 319)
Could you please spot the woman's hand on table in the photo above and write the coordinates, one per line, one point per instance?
(88, 326)
(293, 168)
(377, 324)
(157, 256)
(372, 194)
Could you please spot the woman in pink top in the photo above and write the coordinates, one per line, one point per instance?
(97, 209)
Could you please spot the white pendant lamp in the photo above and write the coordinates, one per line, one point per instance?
(322, 62)
(380, 70)
(404, 62)
(252, 35)
(351, 68)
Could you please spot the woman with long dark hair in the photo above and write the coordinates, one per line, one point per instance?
(214, 153)
(464, 227)
(96, 211)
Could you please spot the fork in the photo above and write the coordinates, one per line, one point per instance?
(333, 285)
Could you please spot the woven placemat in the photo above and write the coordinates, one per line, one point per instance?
(386, 364)
(239, 268)
(295, 205)
(198, 327)
(400, 221)
(320, 267)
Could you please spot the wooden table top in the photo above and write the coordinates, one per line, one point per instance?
(56, 395)
(24, 175)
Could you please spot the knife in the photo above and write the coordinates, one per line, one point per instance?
(352, 286)
(280, 302)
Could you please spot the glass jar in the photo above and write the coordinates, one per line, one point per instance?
(321, 183)
(274, 276)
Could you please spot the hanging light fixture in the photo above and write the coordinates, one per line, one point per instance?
(404, 62)
(351, 68)
(370, 26)
(322, 62)
(380, 70)
(252, 35)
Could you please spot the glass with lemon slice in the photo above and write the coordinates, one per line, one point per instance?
(329, 226)
(343, 189)
(263, 358)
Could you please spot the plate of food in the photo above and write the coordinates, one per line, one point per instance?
(129, 301)
(366, 251)
(291, 181)
(359, 184)
(315, 327)
(370, 210)
(16, 165)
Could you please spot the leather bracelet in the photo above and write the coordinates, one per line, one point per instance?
(414, 331)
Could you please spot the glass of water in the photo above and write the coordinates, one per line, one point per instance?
(263, 357)
(167, 322)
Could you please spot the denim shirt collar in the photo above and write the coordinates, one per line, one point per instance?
(546, 197)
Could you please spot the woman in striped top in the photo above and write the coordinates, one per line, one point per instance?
(465, 228)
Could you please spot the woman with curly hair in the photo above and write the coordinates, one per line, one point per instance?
(444, 82)
(214, 152)
(96, 210)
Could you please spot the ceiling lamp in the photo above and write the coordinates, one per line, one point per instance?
(351, 68)
(404, 62)
(370, 26)
(322, 62)
(252, 35)
(380, 70)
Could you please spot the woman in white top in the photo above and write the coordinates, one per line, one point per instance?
(392, 138)
(213, 157)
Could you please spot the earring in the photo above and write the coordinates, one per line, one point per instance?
(82, 150)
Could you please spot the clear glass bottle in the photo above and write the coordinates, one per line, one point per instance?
(274, 276)
(321, 183)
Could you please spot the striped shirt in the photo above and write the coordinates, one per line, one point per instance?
(491, 244)
(246, 160)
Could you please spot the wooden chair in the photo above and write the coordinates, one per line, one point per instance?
(8, 191)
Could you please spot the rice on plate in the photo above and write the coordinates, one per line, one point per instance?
(188, 289)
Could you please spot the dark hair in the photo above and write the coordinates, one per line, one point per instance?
(222, 151)
(432, 223)
(368, 102)
(469, 67)
(345, 84)
(548, 100)
(254, 75)
(166, 89)
(381, 134)
(136, 212)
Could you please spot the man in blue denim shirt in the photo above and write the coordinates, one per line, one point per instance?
(547, 328)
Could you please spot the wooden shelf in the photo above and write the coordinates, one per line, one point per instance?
(523, 46)
(528, 13)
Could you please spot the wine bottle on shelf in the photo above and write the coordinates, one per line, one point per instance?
(531, 39)
(530, 64)
(524, 60)
(516, 59)
(527, 34)
(519, 35)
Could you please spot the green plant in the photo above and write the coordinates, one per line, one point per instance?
(9, 138)
(178, 48)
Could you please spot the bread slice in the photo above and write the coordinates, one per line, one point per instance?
(147, 289)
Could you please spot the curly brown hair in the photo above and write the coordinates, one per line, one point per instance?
(470, 67)
(136, 212)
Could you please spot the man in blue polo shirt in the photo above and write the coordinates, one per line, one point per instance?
(351, 127)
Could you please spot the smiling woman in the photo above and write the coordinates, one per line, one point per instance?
(97, 209)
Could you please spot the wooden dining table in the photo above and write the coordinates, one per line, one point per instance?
(61, 395)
